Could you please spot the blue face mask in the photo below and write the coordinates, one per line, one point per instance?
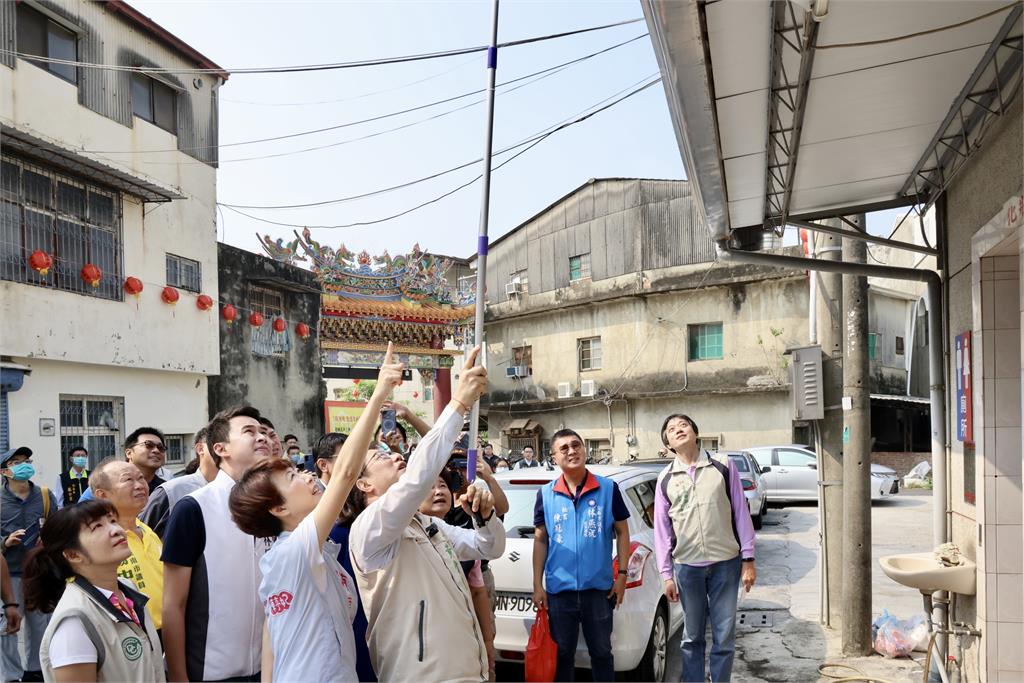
(80, 461)
(23, 471)
(297, 458)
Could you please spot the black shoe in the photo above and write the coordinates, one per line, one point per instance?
(32, 676)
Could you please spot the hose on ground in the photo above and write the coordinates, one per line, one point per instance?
(858, 674)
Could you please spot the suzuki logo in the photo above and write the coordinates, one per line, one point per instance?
(514, 556)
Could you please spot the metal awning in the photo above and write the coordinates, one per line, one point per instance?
(523, 424)
(147, 189)
(780, 115)
(901, 401)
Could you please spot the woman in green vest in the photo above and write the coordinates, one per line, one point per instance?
(99, 630)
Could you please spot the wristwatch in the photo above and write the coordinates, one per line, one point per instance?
(748, 559)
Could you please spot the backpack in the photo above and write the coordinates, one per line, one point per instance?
(723, 469)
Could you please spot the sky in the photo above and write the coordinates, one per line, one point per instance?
(632, 139)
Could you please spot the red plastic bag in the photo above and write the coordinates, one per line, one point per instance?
(541, 651)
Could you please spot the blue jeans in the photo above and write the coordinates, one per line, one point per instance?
(702, 590)
(592, 610)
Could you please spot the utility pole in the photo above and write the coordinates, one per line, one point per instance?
(856, 601)
(830, 436)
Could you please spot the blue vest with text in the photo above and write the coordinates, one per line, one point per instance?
(581, 535)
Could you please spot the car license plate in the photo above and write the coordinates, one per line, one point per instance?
(514, 603)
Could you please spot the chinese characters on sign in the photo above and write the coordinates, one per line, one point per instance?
(964, 385)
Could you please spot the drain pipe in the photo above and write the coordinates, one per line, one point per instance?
(936, 371)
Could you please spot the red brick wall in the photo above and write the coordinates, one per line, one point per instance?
(900, 461)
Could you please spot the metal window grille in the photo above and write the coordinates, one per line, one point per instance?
(73, 221)
(265, 341)
(590, 353)
(94, 422)
(175, 448)
(706, 341)
(184, 273)
(579, 267)
(520, 276)
(899, 346)
(523, 355)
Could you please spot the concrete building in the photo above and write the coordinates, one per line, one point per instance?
(278, 372)
(896, 123)
(94, 362)
(620, 276)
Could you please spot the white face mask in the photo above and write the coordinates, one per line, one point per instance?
(501, 468)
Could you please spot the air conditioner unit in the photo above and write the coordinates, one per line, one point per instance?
(513, 288)
(588, 388)
(564, 390)
(517, 371)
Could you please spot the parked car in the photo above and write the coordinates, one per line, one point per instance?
(754, 486)
(794, 474)
(645, 621)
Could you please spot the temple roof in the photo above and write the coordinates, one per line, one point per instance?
(401, 310)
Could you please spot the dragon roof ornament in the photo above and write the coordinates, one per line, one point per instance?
(416, 276)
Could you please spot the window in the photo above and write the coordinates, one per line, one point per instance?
(792, 458)
(265, 341)
(184, 273)
(155, 102)
(523, 355)
(41, 36)
(708, 443)
(590, 353)
(176, 448)
(705, 341)
(523, 280)
(579, 267)
(428, 393)
(599, 450)
(91, 421)
(642, 496)
(873, 345)
(71, 220)
(899, 346)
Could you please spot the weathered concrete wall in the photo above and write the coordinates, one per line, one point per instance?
(979, 192)
(287, 388)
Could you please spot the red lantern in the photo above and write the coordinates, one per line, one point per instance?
(256, 319)
(40, 262)
(415, 394)
(169, 295)
(92, 274)
(133, 286)
(280, 325)
(302, 329)
(356, 381)
(229, 313)
(204, 302)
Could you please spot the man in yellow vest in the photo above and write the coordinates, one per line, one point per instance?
(124, 485)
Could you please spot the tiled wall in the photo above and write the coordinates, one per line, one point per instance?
(1001, 565)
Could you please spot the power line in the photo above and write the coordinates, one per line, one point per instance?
(533, 143)
(318, 67)
(340, 200)
(547, 71)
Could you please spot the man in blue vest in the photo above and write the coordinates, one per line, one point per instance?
(577, 517)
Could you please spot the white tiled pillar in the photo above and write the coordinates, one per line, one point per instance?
(1001, 568)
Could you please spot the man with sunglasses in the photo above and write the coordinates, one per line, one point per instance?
(145, 449)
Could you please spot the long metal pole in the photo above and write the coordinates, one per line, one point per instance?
(482, 240)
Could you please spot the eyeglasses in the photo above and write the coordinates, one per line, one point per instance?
(150, 445)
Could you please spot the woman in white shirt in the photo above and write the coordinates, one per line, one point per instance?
(99, 630)
(309, 599)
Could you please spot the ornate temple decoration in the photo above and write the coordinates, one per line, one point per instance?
(367, 300)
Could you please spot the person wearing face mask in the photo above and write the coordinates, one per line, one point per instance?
(309, 599)
(24, 508)
(73, 481)
(100, 630)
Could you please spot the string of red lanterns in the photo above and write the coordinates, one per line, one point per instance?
(41, 262)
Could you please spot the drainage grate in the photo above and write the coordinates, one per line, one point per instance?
(755, 619)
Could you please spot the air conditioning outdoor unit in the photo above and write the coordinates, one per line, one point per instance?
(517, 371)
(564, 390)
(513, 288)
(588, 388)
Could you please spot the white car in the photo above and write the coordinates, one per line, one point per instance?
(794, 474)
(752, 477)
(643, 623)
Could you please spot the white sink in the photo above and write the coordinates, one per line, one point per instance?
(923, 572)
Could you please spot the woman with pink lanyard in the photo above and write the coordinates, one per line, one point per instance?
(99, 630)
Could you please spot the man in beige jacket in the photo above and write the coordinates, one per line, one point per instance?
(421, 622)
